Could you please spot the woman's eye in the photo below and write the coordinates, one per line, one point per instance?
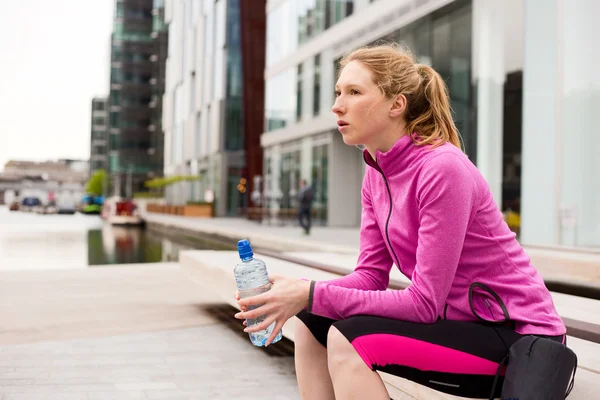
(337, 94)
(354, 91)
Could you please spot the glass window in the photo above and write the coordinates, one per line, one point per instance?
(319, 181)
(208, 130)
(317, 86)
(451, 57)
(98, 135)
(337, 10)
(99, 120)
(234, 139)
(234, 59)
(115, 119)
(209, 45)
(113, 142)
(99, 150)
(115, 75)
(119, 12)
(336, 71)
(227, 47)
(115, 97)
(198, 134)
(282, 31)
(113, 161)
(119, 29)
(99, 105)
(233, 103)
(280, 100)
(116, 52)
(289, 178)
(193, 94)
(299, 93)
(349, 8)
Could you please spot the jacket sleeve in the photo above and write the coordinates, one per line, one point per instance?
(374, 262)
(447, 193)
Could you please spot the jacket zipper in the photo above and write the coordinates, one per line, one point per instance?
(387, 223)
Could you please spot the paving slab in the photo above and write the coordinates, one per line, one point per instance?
(204, 362)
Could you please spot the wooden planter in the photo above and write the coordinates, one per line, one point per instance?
(190, 210)
(198, 210)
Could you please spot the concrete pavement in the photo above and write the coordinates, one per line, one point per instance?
(127, 332)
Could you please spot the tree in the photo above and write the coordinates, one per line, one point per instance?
(95, 185)
(159, 183)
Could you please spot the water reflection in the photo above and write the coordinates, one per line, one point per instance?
(33, 241)
(122, 245)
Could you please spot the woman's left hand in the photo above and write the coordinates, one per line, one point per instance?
(286, 298)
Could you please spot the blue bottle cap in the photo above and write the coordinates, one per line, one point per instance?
(244, 249)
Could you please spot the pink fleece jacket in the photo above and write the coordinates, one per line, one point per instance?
(430, 212)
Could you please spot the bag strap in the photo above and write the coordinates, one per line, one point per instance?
(572, 382)
(504, 361)
(487, 289)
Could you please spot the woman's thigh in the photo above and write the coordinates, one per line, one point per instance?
(317, 325)
(459, 358)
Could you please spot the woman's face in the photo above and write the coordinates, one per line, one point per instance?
(363, 112)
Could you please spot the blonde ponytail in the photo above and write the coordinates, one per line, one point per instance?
(429, 112)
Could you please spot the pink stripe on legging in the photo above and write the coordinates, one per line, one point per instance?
(383, 349)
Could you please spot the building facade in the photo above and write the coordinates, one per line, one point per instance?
(521, 82)
(135, 136)
(61, 181)
(561, 98)
(99, 135)
(213, 107)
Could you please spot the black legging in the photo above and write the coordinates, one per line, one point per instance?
(459, 358)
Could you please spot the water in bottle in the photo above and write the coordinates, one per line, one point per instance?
(252, 279)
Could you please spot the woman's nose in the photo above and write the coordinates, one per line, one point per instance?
(337, 107)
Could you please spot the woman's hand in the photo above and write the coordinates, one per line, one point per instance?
(286, 298)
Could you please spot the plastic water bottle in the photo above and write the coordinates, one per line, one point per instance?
(252, 279)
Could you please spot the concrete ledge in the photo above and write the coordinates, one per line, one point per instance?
(214, 271)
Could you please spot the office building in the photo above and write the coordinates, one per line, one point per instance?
(213, 104)
(135, 133)
(99, 134)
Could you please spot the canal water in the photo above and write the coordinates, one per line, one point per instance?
(34, 241)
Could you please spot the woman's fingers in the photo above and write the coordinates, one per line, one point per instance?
(255, 300)
(259, 327)
(276, 329)
(256, 312)
(236, 295)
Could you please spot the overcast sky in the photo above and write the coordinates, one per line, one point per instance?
(54, 57)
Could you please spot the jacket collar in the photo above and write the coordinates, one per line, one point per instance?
(398, 157)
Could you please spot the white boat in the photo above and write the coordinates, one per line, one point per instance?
(119, 211)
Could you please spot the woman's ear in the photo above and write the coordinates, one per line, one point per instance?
(398, 106)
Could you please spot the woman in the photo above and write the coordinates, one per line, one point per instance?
(428, 210)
